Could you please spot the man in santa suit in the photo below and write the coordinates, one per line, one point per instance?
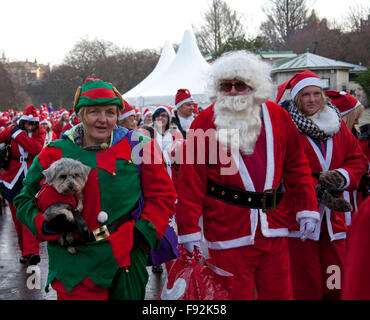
(243, 148)
(183, 115)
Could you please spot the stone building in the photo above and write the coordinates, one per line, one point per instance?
(23, 73)
(337, 75)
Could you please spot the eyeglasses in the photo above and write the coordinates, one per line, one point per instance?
(162, 115)
(33, 123)
(228, 86)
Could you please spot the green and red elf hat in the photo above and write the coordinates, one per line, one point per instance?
(96, 92)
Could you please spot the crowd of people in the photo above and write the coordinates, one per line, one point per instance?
(280, 186)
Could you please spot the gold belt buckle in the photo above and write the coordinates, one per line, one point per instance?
(101, 233)
(265, 193)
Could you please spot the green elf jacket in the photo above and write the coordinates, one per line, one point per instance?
(113, 186)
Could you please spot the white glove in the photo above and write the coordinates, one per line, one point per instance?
(307, 227)
(191, 245)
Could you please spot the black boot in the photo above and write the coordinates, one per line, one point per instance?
(157, 269)
(34, 259)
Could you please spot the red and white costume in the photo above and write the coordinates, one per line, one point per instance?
(237, 237)
(314, 261)
(346, 104)
(356, 277)
(310, 260)
(24, 148)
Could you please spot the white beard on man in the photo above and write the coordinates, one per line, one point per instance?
(238, 121)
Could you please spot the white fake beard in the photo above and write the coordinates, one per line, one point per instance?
(238, 122)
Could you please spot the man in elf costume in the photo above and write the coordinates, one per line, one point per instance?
(126, 206)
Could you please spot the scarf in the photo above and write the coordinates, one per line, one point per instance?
(306, 125)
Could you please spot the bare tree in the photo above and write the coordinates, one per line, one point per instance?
(86, 54)
(356, 17)
(284, 17)
(7, 90)
(220, 24)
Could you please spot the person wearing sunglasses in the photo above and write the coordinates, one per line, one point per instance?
(26, 141)
(242, 200)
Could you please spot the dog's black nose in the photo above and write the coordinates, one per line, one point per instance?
(70, 186)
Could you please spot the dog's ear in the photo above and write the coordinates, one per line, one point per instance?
(49, 173)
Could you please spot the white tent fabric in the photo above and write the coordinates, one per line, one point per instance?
(188, 70)
(167, 56)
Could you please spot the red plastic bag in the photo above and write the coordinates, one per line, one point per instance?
(192, 278)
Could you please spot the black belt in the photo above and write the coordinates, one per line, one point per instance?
(22, 159)
(100, 233)
(267, 200)
(106, 230)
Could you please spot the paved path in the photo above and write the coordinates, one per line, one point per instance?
(14, 276)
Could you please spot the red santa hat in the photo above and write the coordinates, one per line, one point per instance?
(163, 107)
(147, 112)
(343, 101)
(30, 113)
(299, 81)
(137, 111)
(2, 123)
(182, 96)
(63, 111)
(127, 111)
(44, 119)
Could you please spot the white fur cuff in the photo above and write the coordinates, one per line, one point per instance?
(190, 237)
(15, 134)
(307, 214)
(345, 174)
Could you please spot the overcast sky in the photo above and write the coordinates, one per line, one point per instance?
(47, 30)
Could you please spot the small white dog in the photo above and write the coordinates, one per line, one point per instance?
(68, 177)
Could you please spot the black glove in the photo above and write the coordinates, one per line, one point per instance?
(57, 225)
(16, 128)
(332, 179)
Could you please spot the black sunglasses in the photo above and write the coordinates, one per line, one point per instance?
(227, 86)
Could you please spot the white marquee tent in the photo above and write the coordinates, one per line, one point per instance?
(187, 70)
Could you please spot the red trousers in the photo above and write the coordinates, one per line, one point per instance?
(28, 243)
(263, 266)
(315, 266)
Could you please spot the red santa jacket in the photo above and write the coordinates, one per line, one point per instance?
(24, 149)
(344, 154)
(356, 277)
(226, 225)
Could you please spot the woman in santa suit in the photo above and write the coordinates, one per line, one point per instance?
(26, 140)
(337, 163)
